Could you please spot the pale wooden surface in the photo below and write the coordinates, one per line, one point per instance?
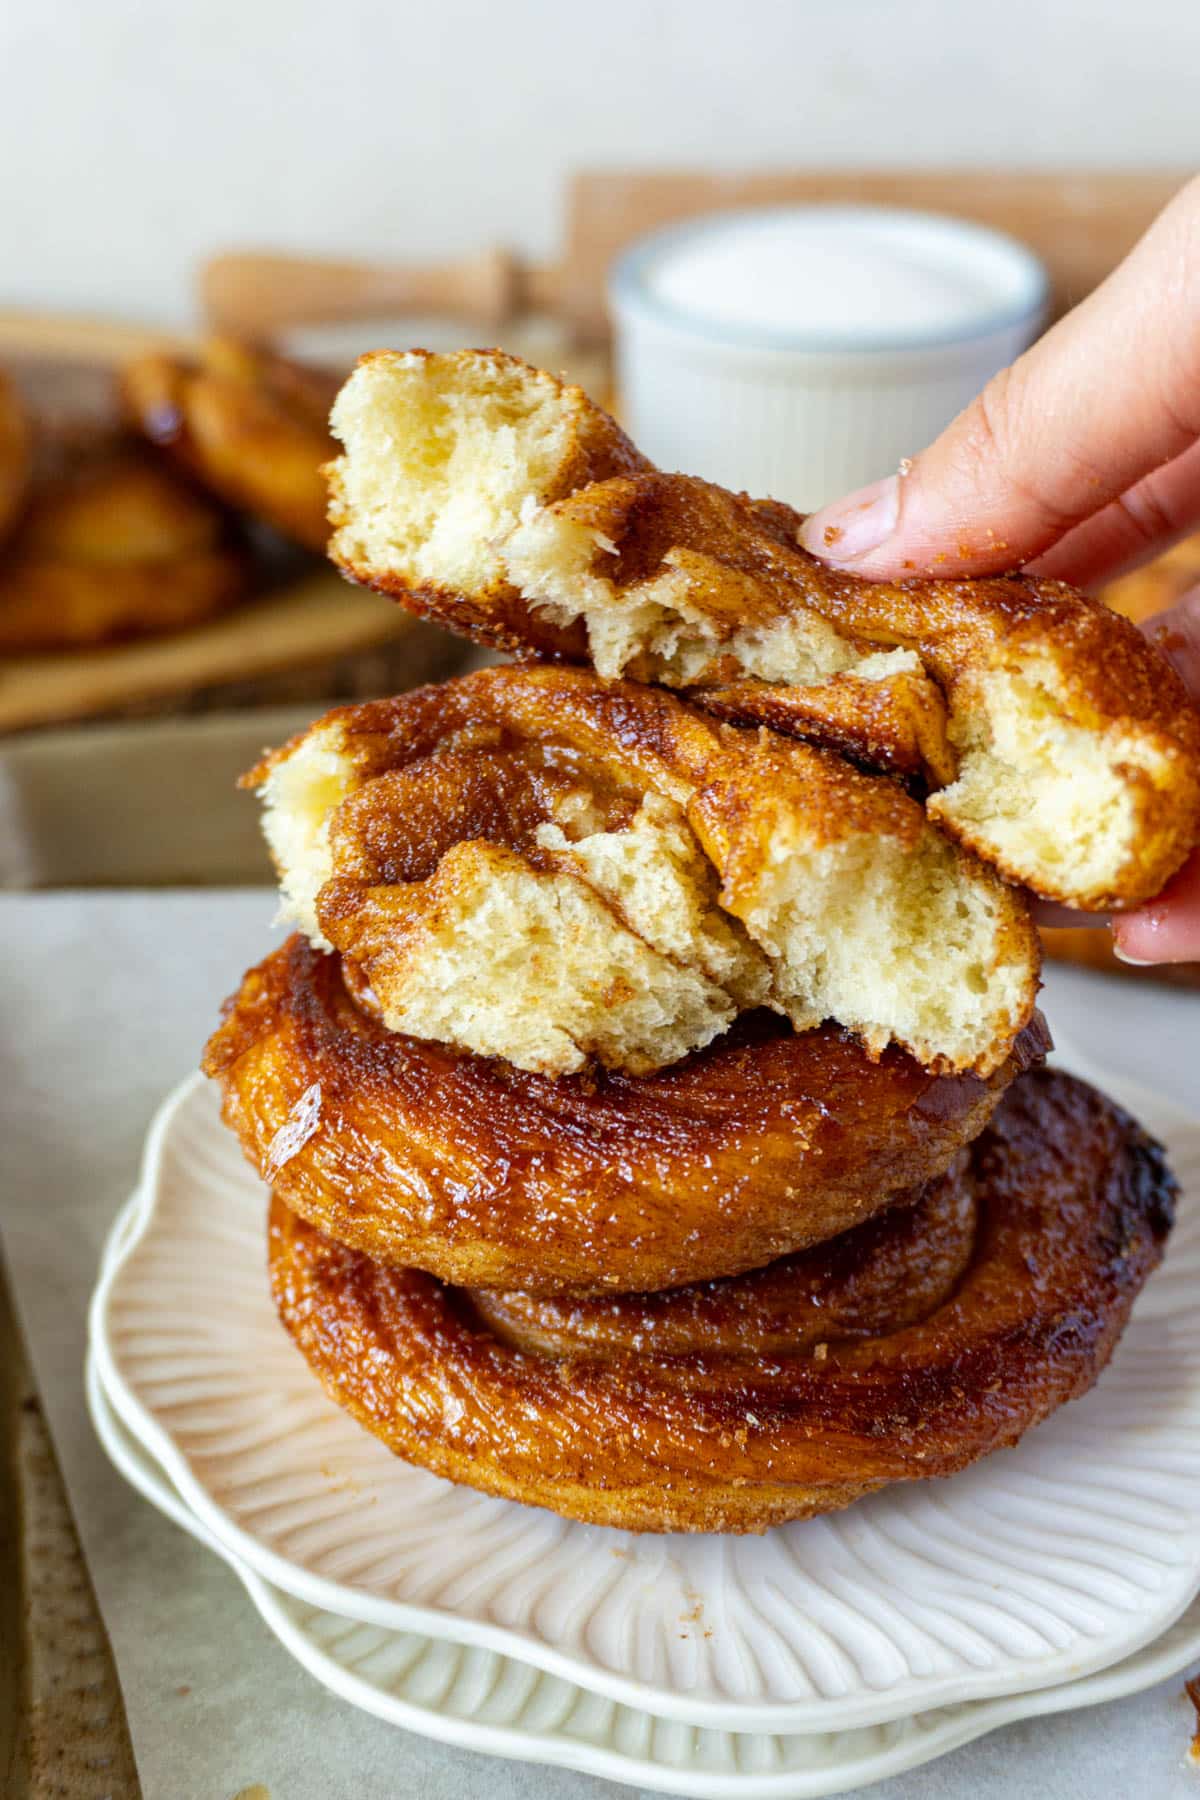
(308, 624)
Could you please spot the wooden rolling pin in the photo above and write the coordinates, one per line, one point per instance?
(1081, 223)
(255, 294)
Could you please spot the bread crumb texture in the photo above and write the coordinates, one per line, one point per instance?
(538, 865)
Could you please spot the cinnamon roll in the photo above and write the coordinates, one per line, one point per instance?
(485, 1174)
(113, 544)
(927, 1338)
(248, 426)
(539, 865)
(1055, 741)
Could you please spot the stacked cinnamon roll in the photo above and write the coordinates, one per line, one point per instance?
(651, 1091)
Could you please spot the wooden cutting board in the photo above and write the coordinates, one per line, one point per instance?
(315, 623)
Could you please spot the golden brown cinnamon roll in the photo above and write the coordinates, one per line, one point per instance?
(539, 865)
(928, 1338)
(486, 1174)
(250, 427)
(1058, 743)
(114, 544)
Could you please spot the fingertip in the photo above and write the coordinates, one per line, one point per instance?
(1134, 962)
(848, 530)
(1168, 929)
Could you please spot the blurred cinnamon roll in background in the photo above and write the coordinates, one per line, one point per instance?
(113, 544)
(141, 513)
(250, 427)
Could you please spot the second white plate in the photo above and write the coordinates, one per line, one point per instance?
(481, 1700)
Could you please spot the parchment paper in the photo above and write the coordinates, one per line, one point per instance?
(105, 1001)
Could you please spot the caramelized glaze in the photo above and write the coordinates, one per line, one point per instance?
(694, 1411)
(250, 427)
(488, 1175)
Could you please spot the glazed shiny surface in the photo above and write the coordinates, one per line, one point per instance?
(490, 1176)
(113, 543)
(694, 1411)
(249, 426)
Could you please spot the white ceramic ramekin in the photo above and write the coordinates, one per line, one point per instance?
(803, 416)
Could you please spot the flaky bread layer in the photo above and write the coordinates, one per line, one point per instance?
(536, 864)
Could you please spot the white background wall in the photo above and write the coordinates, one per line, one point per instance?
(136, 135)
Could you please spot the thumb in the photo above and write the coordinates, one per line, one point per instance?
(1107, 396)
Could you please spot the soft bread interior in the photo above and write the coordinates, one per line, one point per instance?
(1036, 791)
(299, 798)
(904, 943)
(654, 630)
(441, 454)
(495, 956)
(628, 946)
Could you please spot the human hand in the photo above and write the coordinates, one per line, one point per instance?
(1080, 461)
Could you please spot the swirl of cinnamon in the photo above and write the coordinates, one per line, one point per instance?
(485, 1174)
(540, 865)
(926, 1339)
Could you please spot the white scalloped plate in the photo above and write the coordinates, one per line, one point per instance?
(481, 1700)
(1035, 1567)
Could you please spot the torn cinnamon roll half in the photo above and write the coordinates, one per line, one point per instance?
(1054, 740)
(561, 871)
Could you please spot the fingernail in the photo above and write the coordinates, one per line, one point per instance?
(851, 528)
(1135, 962)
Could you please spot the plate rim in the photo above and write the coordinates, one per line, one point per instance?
(971, 1720)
